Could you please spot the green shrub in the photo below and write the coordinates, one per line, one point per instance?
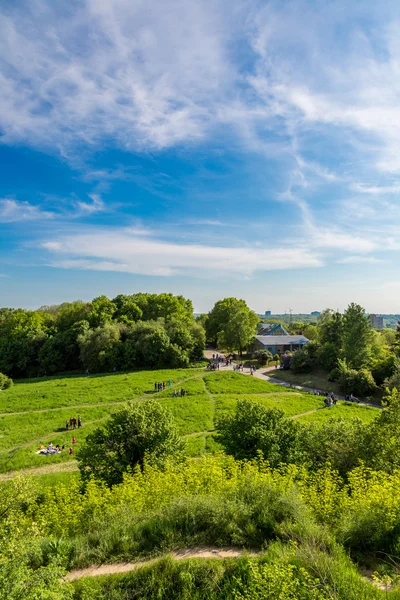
(5, 382)
(334, 375)
(360, 383)
(301, 362)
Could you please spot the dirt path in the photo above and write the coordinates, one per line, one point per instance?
(67, 467)
(199, 552)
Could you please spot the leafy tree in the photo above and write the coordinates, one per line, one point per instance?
(394, 380)
(311, 332)
(165, 306)
(61, 352)
(397, 339)
(70, 313)
(385, 368)
(140, 431)
(382, 445)
(127, 309)
(147, 345)
(254, 428)
(356, 337)
(100, 347)
(102, 311)
(5, 382)
(22, 333)
(339, 442)
(328, 355)
(232, 324)
(331, 328)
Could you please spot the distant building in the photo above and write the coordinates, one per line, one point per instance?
(315, 313)
(278, 344)
(376, 321)
(267, 313)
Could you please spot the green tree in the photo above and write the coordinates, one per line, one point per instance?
(339, 442)
(100, 348)
(331, 328)
(139, 432)
(165, 306)
(382, 445)
(254, 428)
(127, 309)
(356, 336)
(232, 324)
(102, 311)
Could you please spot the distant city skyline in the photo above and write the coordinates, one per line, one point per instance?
(193, 148)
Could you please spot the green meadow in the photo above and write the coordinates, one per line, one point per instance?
(34, 412)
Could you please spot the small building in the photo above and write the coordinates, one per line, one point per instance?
(279, 344)
(315, 313)
(267, 313)
(376, 321)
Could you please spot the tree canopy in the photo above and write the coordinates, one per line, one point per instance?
(140, 431)
(231, 324)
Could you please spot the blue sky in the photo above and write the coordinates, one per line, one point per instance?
(203, 148)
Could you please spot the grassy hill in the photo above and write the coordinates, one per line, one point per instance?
(34, 412)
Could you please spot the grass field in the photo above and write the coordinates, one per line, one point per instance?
(34, 412)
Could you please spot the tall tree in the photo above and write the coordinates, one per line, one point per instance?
(357, 336)
(232, 324)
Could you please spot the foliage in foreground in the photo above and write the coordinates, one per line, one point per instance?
(308, 517)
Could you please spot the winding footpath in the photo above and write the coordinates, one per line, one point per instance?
(200, 552)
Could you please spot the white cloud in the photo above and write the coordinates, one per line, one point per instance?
(376, 190)
(13, 211)
(359, 260)
(338, 240)
(118, 250)
(86, 208)
(112, 70)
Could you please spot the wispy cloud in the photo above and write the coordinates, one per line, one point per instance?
(119, 250)
(12, 211)
(89, 208)
(356, 259)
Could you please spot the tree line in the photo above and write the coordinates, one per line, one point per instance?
(130, 331)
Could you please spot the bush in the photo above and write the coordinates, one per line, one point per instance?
(360, 383)
(5, 382)
(334, 375)
(262, 357)
(255, 429)
(301, 362)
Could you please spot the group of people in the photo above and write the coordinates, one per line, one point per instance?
(179, 393)
(351, 398)
(213, 366)
(239, 367)
(73, 422)
(161, 385)
(57, 449)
